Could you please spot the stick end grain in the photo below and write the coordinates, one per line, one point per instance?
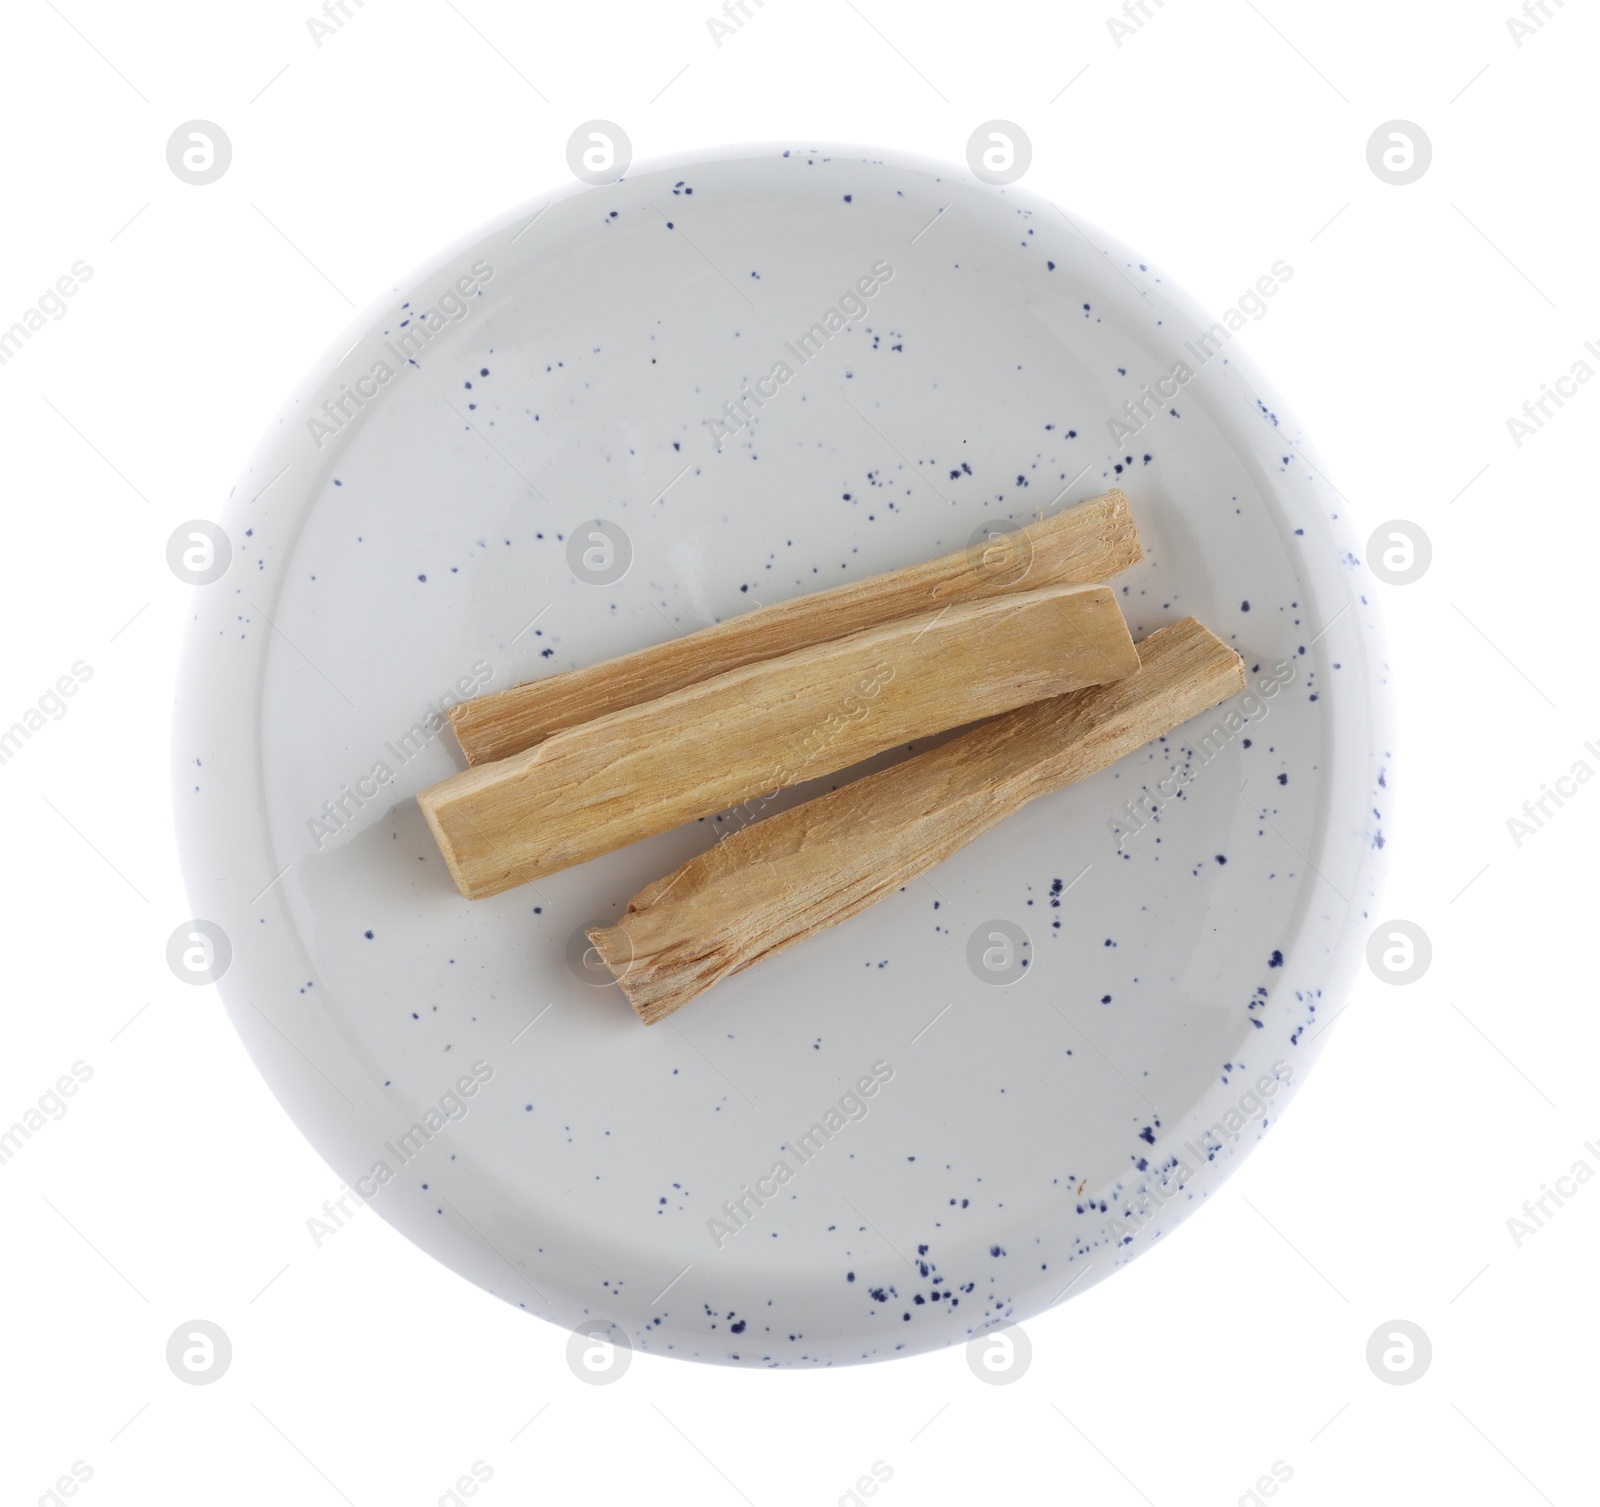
(475, 728)
(1090, 542)
(430, 812)
(460, 717)
(1109, 647)
(1202, 655)
(1118, 534)
(615, 947)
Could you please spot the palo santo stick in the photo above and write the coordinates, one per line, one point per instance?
(1076, 547)
(754, 730)
(773, 884)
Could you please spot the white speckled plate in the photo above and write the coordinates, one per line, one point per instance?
(420, 524)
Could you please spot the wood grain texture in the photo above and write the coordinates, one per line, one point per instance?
(1077, 546)
(752, 731)
(775, 883)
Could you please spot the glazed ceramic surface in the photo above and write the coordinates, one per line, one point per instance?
(628, 411)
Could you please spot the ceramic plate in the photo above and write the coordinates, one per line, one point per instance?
(630, 410)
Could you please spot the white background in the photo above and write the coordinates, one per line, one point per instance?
(1219, 137)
